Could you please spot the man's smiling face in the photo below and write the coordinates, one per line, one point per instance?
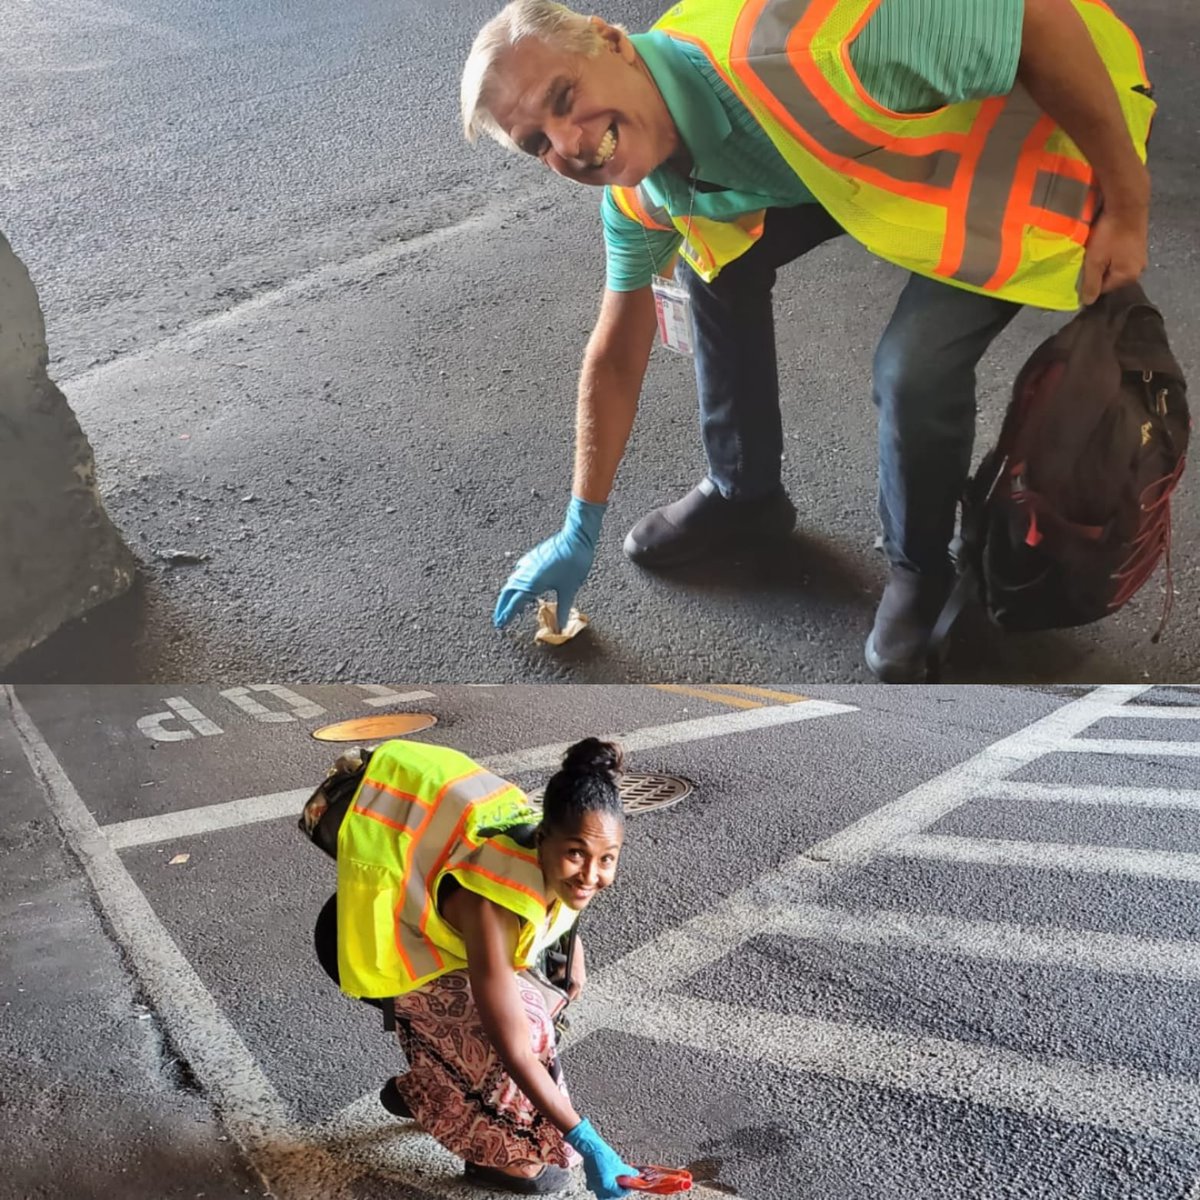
(597, 120)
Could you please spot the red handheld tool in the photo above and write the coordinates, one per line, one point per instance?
(660, 1181)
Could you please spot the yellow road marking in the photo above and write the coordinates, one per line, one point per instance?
(764, 693)
(701, 694)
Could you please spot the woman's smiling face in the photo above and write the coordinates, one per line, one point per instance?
(596, 120)
(578, 863)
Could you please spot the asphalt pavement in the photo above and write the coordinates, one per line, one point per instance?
(328, 352)
(936, 942)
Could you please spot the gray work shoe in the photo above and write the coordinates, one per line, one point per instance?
(898, 650)
(703, 524)
(548, 1179)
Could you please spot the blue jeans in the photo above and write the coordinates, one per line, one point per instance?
(924, 383)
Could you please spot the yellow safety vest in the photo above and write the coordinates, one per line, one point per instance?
(988, 195)
(421, 814)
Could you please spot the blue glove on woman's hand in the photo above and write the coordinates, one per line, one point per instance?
(601, 1163)
(560, 564)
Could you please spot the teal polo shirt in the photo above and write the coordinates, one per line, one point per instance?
(912, 56)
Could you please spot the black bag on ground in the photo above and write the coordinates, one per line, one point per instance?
(1069, 515)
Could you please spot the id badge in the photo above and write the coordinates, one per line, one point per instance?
(674, 308)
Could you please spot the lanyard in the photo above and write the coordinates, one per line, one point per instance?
(672, 304)
(691, 213)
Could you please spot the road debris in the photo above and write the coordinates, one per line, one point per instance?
(548, 630)
(182, 558)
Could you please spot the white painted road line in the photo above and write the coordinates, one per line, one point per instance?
(1067, 793)
(384, 695)
(153, 725)
(1131, 749)
(244, 1098)
(320, 280)
(1052, 856)
(209, 818)
(992, 941)
(1120, 1099)
(676, 733)
(300, 707)
(1161, 712)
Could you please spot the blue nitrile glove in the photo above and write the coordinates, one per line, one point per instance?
(601, 1163)
(560, 564)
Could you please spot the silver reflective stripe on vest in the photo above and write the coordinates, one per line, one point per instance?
(769, 60)
(1062, 195)
(655, 212)
(432, 849)
(447, 824)
(988, 202)
(374, 801)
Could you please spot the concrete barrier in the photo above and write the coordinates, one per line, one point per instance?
(60, 555)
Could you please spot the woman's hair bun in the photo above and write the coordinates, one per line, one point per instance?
(594, 757)
(588, 782)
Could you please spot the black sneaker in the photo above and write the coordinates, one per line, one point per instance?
(390, 1098)
(705, 525)
(898, 649)
(548, 1179)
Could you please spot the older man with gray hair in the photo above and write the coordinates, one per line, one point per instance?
(995, 150)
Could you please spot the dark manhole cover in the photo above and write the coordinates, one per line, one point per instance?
(643, 793)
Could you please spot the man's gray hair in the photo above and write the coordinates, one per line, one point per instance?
(554, 24)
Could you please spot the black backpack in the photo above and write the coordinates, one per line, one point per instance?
(326, 808)
(1070, 513)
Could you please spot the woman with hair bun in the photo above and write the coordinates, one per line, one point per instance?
(450, 887)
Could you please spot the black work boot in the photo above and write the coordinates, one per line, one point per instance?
(705, 525)
(390, 1098)
(898, 649)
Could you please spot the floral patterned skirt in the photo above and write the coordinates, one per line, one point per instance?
(457, 1086)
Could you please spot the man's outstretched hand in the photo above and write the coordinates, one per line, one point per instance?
(560, 564)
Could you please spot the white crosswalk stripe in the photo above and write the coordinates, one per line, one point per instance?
(1161, 712)
(1067, 793)
(1129, 748)
(1103, 860)
(992, 941)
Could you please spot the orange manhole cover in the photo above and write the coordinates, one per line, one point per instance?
(377, 728)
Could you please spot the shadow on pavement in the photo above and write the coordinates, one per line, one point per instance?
(981, 652)
(812, 572)
(131, 639)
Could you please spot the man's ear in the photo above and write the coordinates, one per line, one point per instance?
(614, 37)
